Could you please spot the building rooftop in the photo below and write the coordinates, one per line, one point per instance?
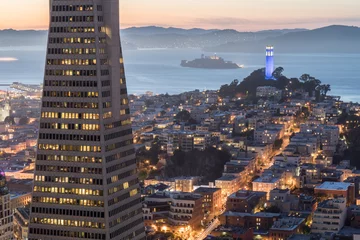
(287, 224)
(258, 214)
(267, 179)
(339, 186)
(226, 178)
(243, 194)
(206, 190)
(25, 212)
(348, 231)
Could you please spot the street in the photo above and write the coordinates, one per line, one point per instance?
(208, 230)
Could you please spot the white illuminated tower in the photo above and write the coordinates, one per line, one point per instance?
(269, 62)
(85, 184)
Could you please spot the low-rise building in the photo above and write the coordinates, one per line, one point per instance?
(282, 199)
(21, 222)
(185, 184)
(228, 184)
(178, 209)
(258, 221)
(19, 199)
(212, 201)
(245, 201)
(266, 184)
(285, 227)
(329, 216)
(337, 189)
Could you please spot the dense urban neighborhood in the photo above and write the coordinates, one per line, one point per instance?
(253, 160)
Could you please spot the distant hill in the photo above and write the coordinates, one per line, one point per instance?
(153, 30)
(331, 39)
(10, 37)
(158, 37)
(154, 37)
(343, 39)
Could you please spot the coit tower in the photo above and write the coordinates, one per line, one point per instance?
(85, 183)
(269, 62)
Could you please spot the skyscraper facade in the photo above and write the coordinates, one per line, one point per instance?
(85, 184)
(269, 69)
(6, 222)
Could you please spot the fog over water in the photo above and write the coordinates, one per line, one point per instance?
(159, 70)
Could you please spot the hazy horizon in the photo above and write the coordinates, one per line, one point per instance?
(194, 27)
(247, 15)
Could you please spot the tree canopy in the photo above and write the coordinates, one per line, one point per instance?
(257, 78)
(208, 163)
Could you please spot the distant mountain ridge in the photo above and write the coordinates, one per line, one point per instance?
(330, 39)
(336, 38)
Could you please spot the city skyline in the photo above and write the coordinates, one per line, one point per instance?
(245, 16)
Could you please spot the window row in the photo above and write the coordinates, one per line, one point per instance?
(73, 180)
(125, 111)
(75, 191)
(68, 223)
(107, 115)
(119, 155)
(124, 101)
(123, 186)
(70, 126)
(75, 29)
(70, 94)
(126, 228)
(85, 62)
(125, 217)
(123, 91)
(69, 201)
(120, 166)
(118, 124)
(89, 105)
(71, 148)
(86, 170)
(118, 134)
(105, 72)
(71, 137)
(114, 146)
(123, 197)
(64, 158)
(64, 233)
(106, 94)
(68, 19)
(67, 212)
(72, 40)
(124, 207)
(84, 73)
(65, 115)
(120, 176)
(65, 83)
(106, 104)
(75, 51)
(75, 8)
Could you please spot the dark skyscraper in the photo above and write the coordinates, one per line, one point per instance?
(85, 184)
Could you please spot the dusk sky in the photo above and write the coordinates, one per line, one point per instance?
(245, 15)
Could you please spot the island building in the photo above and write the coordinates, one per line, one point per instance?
(269, 69)
(85, 179)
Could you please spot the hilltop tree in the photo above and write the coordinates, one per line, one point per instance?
(278, 72)
(183, 116)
